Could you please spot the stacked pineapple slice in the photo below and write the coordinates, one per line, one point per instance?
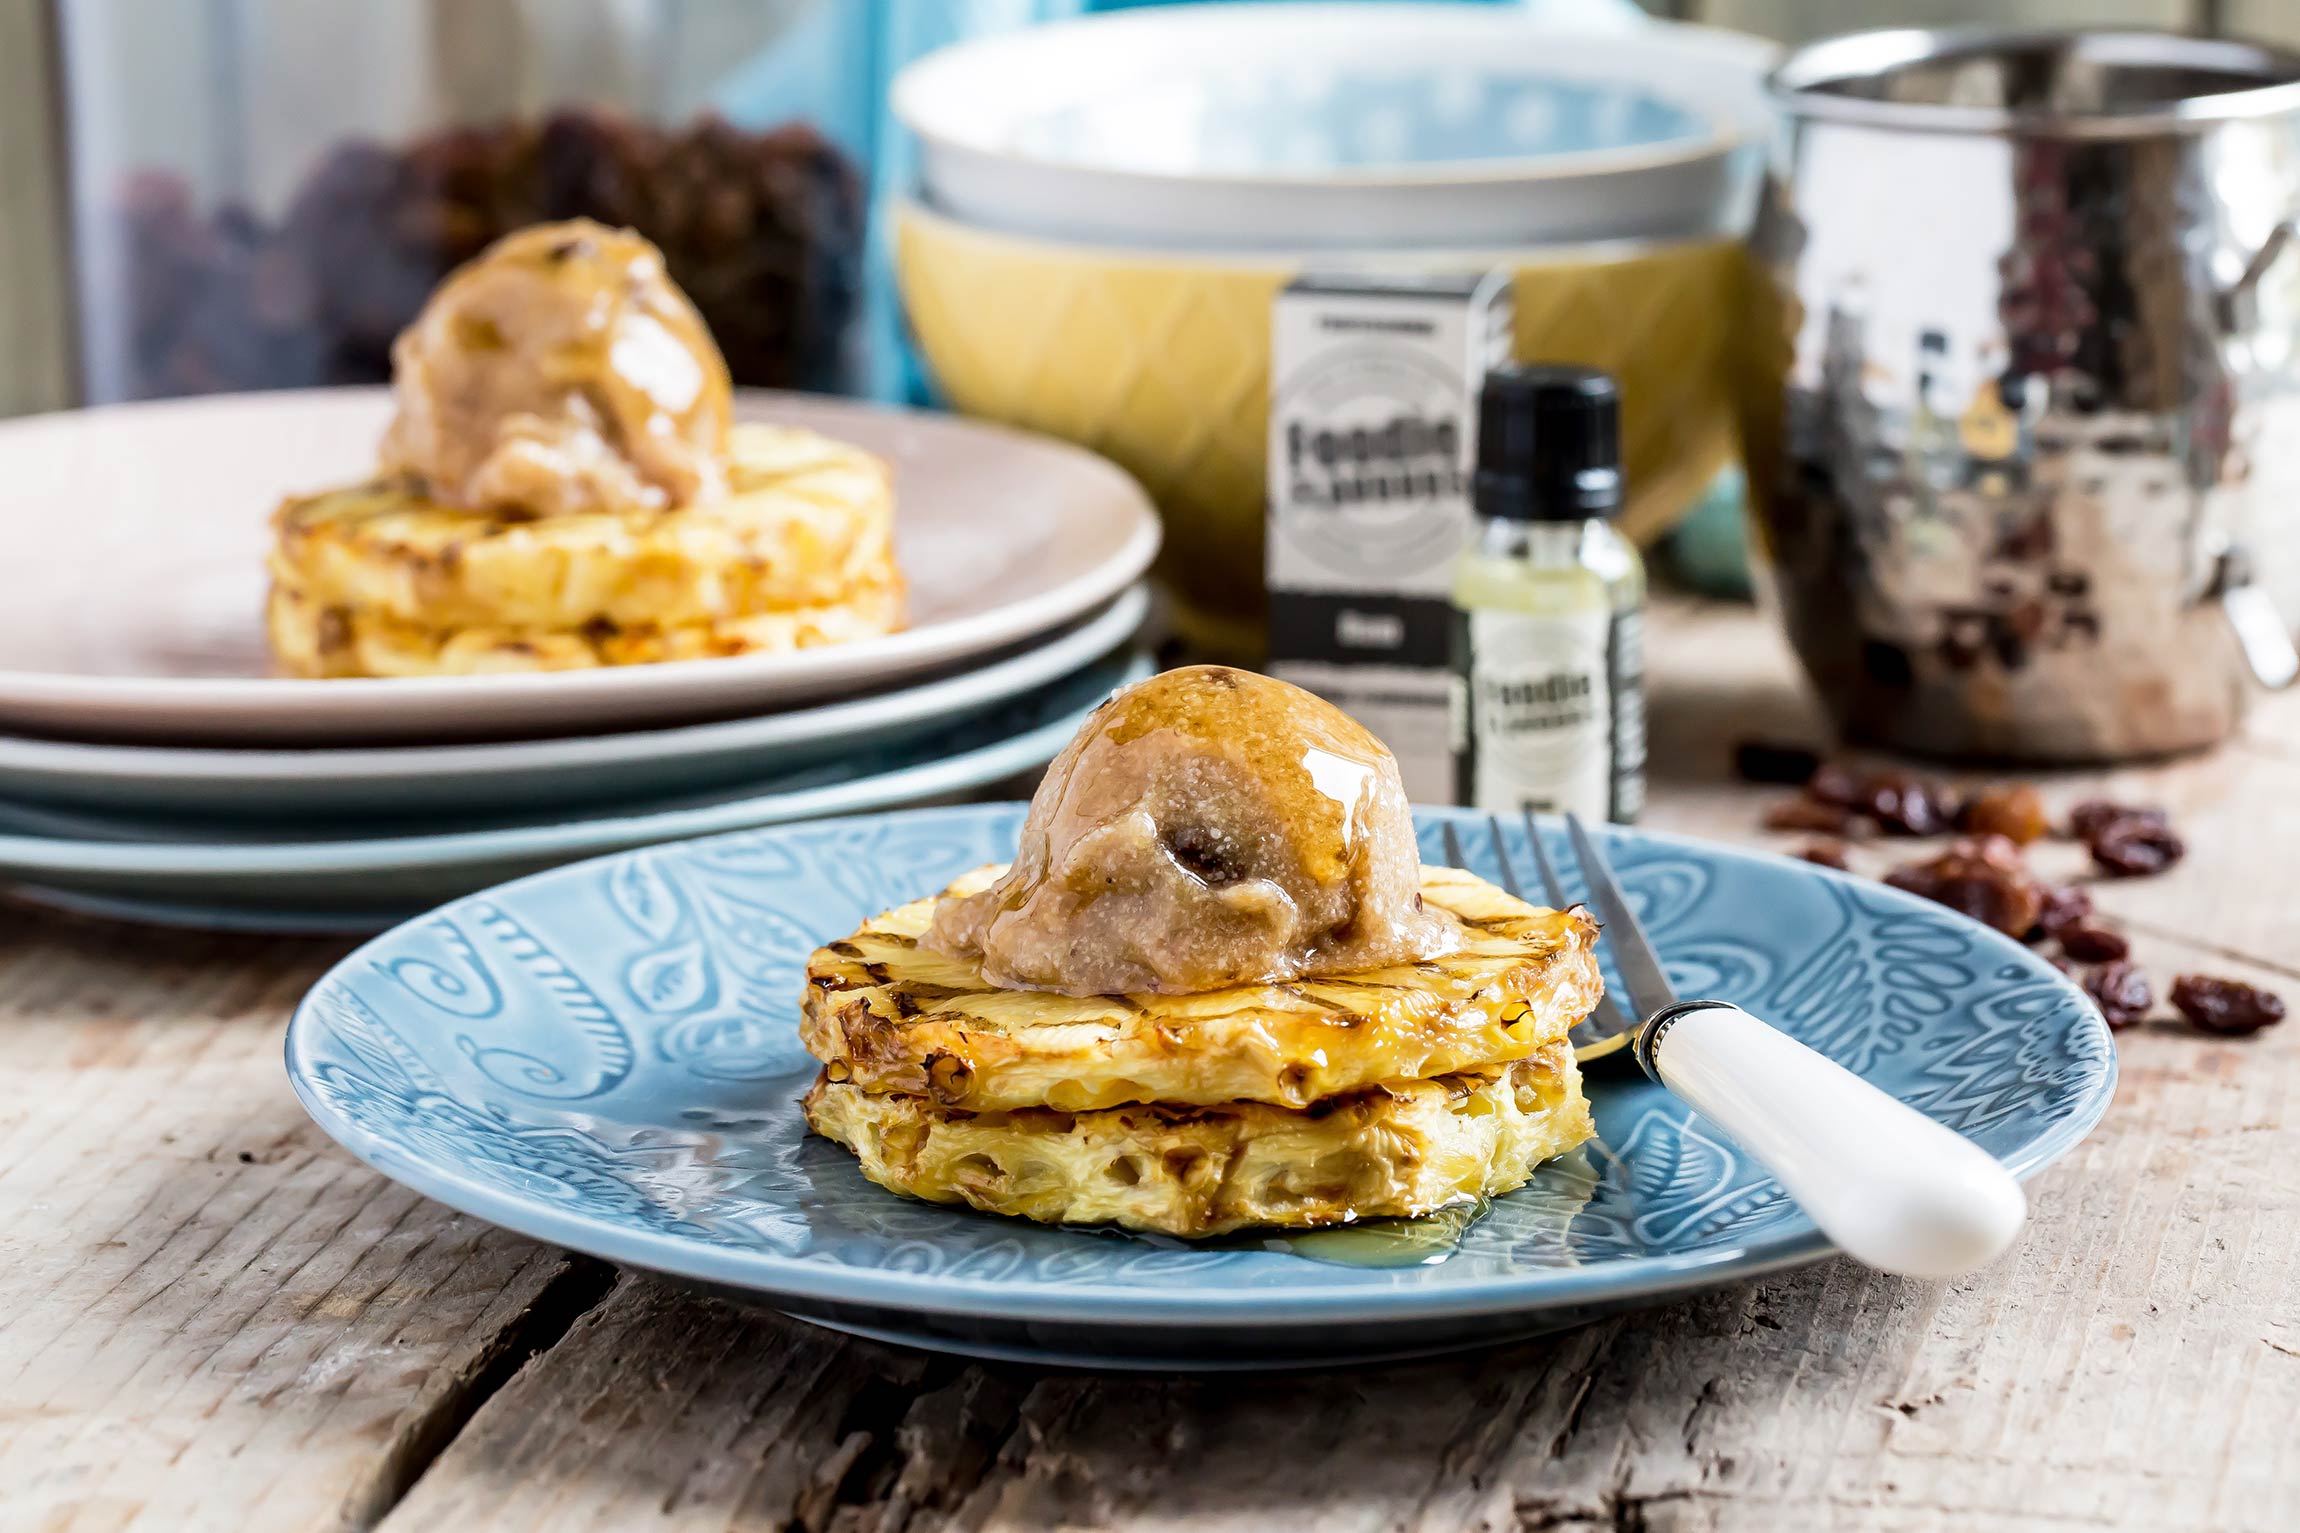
(373, 580)
(1389, 1092)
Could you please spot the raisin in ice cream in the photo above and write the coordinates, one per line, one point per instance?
(560, 372)
(1207, 827)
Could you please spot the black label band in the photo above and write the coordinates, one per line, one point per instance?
(1360, 629)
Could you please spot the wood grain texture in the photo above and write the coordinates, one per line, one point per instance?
(1722, 678)
(2133, 1364)
(210, 1318)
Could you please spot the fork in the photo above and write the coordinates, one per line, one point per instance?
(1889, 1186)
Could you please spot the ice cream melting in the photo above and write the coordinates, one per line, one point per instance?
(1207, 827)
(562, 371)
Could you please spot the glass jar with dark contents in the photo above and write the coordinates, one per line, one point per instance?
(265, 191)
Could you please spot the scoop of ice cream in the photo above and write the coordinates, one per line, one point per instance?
(1206, 827)
(561, 371)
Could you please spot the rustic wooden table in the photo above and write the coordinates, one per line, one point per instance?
(212, 1318)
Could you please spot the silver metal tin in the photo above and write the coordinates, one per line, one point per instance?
(2028, 399)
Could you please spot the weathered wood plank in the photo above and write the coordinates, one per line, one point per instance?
(666, 1409)
(209, 1316)
(2127, 1366)
(190, 1338)
(2136, 1363)
(1720, 677)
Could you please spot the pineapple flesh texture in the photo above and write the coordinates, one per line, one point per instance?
(311, 639)
(806, 522)
(1400, 1149)
(886, 1016)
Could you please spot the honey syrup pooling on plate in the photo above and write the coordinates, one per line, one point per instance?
(1557, 1194)
(1422, 1242)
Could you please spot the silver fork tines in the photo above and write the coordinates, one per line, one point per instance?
(1453, 852)
(1605, 1026)
(1890, 1186)
(1641, 971)
(1549, 878)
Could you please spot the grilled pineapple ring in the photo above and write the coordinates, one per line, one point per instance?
(806, 519)
(1400, 1149)
(888, 1016)
(311, 639)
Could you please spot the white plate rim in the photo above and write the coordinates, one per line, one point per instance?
(227, 704)
(24, 858)
(912, 96)
(31, 755)
(1635, 1279)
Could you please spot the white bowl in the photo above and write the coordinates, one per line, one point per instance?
(1340, 125)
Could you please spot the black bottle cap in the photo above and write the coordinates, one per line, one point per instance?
(1549, 444)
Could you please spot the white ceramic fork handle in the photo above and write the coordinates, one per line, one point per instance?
(1888, 1185)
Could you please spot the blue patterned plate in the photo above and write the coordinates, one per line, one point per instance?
(605, 1056)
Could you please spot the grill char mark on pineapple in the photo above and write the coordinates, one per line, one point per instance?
(883, 1005)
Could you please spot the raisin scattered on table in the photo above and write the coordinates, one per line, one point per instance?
(2095, 815)
(1786, 766)
(1829, 854)
(1833, 784)
(1996, 851)
(1805, 814)
(1978, 876)
(2121, 992)
(2027, 542)
(2087, 943)
(2014, 810)
(2134, 848)
(2228, 1008)
(1906, 804)
(2064, 905)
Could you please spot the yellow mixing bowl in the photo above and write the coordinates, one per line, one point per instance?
(1161, 362)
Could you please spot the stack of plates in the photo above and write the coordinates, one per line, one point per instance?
(150, 766)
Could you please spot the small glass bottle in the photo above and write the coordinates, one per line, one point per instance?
(1548, 655)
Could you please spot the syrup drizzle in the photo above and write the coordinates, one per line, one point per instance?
(1422, 1242)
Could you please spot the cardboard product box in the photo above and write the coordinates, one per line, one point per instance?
(1373, 438)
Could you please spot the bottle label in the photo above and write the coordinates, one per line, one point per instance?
(1549, 713)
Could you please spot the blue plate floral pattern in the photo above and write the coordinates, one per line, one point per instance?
(605, 1056)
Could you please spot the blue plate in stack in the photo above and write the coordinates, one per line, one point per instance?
(150, 768)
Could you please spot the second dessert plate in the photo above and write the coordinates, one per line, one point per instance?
(606, 1057)
(358, 879)
(131, 604)
(402, 783)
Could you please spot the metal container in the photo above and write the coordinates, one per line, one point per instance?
(2024, 430)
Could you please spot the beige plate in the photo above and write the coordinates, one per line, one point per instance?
(131, 590)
